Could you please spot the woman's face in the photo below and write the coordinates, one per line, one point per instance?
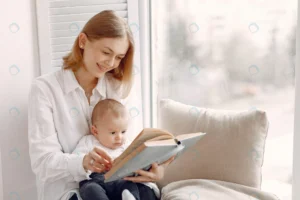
(102, 55)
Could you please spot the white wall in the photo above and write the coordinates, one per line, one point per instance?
(19, 47)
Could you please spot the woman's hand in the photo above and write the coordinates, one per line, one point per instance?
(155, 174)
(97, 160)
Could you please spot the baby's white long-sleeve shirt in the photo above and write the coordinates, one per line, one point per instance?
(88, 142)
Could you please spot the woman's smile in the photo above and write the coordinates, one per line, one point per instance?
(101, 68)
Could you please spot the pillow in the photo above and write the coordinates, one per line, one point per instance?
(212, 190)
(232, 150)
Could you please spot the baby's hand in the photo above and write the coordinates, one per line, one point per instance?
(96, 160)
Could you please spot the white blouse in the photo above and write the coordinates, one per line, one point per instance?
(58, 116)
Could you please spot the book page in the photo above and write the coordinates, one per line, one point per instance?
(159, 138)
(150, 152)
(188, 136)
(145, 135)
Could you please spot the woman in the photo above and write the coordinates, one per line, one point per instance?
(99, 66)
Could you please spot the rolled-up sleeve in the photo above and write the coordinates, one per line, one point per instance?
(48, 161)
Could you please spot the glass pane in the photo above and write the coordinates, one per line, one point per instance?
(237, 55)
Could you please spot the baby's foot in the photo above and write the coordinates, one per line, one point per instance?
(126, 195)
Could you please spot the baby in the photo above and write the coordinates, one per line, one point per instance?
(109, 124)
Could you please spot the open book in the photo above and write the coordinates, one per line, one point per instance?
(150, 146)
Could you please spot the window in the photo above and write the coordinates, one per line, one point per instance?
(236, 55)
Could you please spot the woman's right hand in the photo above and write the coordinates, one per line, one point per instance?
(97, 160)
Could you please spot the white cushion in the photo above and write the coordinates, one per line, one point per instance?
(198, 189)
(232, 150)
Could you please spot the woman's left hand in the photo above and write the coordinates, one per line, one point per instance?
(155, 174)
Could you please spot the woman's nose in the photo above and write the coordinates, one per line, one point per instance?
(110, 62)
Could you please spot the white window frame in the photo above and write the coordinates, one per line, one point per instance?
(296, 140)
(146, 72)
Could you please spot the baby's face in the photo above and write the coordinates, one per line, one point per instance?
(111, 131)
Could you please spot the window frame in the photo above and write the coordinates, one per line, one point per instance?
(296, 137)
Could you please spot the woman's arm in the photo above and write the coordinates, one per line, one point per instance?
(48, 161)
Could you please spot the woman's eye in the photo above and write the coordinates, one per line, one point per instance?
(113, 133)
(105, 52)
(123, 131)
(119, 58)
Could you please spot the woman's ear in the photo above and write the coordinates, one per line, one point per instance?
(94, 130)
(82, 40)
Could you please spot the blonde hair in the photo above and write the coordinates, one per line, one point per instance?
(105, 106)
(106, 24)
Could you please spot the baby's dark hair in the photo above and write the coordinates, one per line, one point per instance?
(105, 106)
